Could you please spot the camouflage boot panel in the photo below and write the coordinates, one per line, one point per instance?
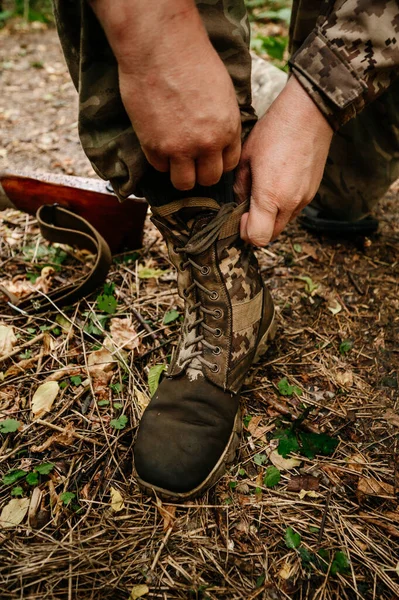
(227, 309)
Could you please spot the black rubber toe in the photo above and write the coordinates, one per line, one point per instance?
(183, 433)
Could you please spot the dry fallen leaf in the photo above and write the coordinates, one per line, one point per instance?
(117, 503)
(124, 335)
(391, 417)
(65, 438)
(7, 339)
(43, 398)
(21, 366)
(303, 482)
(368, 486)
(309, 249)
(254, 423)
(310, 493)
(285, 571)
(142, 400)
(14, 512)
(168, 512)
(138, 591)
(21, 287)
(283, 464)
(356, 462)
(345, 378)
(101, 360)
(334, 306)
(34, 506)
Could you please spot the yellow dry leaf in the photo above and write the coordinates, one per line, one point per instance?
(285, 571)
(311, 493)
(142, 400)
(117, 503)
(345, 378)
(334, 306)
(43, 398)
(138, 591)
(14, 512)
(7, 339)
(283, 464)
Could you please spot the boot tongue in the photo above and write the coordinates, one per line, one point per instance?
(190, 216)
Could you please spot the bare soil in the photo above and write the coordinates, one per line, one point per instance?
(338, 313)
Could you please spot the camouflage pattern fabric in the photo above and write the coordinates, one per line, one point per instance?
(227, 308)
(105, 131)
(350, 55)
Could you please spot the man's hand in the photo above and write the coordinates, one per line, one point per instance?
(282, 163)
(175, 89)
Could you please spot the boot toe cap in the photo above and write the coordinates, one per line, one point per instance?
(183, 434)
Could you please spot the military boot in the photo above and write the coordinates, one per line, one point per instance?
(191, 429)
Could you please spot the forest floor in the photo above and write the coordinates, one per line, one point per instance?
(326, 528)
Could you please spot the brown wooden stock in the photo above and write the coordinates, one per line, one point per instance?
(121, 224)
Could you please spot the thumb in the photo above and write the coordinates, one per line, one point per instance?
(257, 226)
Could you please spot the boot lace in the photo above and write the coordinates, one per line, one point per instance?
(199, 243)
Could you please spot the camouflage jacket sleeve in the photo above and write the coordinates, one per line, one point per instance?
(351, 57)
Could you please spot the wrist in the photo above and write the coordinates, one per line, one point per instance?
(135, 30)
(306, 107)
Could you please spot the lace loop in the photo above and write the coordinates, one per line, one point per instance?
(199, 243)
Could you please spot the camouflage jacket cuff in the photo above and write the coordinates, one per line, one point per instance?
(330, 81)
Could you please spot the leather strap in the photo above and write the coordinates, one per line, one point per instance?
(58, 224)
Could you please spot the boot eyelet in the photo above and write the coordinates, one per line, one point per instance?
(214, 295)
(175, 249)
(205, 270)
(215, 369)
(218, 332)
(217, 313)
(217, 350)
(182, 267)
(185, 293)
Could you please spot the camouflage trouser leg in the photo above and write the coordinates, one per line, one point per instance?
(364, 155)
(363, 160)
(105, 131)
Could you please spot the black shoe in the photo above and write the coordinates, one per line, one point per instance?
(316, 220)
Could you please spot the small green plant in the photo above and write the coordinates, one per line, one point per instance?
(345, 347)
(116, 387)
(67, 497)
(120, 422)
(154, 375)
(170, 316)
(76, 379)
(310, 286)
(285, 389)
(31, 477)
(292, 539)
(272, 477)
(9, 426)
(260, 459)
(106, 304)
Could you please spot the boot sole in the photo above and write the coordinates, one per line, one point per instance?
(229, 454)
